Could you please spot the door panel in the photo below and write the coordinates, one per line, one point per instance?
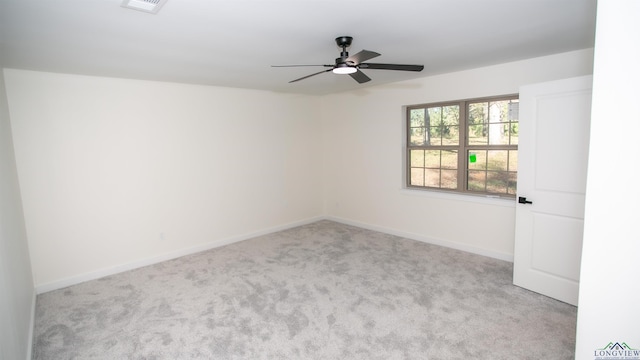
(562, 141)
(554, 249)
(553, 155)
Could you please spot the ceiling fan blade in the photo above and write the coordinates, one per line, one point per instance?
(308, 76)
(300, 65)
(360, 77)
(363, 55)
(392, 67)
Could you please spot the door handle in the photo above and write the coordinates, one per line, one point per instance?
(523, 200)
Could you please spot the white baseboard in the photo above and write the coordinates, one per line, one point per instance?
(73, 280)
(425, 239)
(32, 322)
(77, 279)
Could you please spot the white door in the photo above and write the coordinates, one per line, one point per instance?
(552, 172)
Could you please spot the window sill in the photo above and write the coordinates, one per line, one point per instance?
(478, 199)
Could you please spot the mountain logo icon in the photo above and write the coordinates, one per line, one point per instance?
(617, 350)
(617, 346)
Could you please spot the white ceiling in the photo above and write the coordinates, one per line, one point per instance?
(233, 43)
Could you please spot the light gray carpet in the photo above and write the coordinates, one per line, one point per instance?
(319, 291)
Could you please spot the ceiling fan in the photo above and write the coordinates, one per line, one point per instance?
(352, 65)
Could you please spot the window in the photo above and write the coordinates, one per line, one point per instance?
(468, 146)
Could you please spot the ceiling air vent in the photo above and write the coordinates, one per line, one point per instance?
(150, 6)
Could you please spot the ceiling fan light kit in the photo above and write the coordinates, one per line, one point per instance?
(344, 69)
(351, 65)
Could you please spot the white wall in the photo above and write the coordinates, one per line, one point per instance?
(17, 295)
(363, 148)
(121, 173)
(608, 309)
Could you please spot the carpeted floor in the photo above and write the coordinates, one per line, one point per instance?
(319, 291)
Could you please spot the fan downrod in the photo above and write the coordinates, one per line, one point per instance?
(344, 42)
